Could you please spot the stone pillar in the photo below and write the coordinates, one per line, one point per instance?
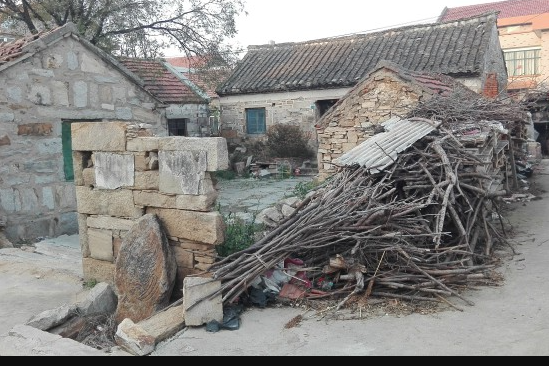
(126, 173)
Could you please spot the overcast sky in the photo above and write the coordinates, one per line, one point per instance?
(302, 20)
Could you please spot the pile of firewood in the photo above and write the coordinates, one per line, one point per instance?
(420, 230)
(423, 229)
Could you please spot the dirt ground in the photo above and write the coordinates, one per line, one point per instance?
(509, 317)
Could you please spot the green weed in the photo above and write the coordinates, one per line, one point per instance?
(303, 188)
(239, 235)
(89, 284)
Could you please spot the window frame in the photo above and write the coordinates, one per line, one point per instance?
(178, 122)
(259, 120)
(526, 62)
(66, 146)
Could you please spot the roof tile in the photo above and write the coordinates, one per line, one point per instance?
(12, 50)
(506, 9)
(161, 82)
(453, 48)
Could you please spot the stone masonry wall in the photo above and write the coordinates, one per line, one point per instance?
(126, 175)
(65, 82)
(296, 109)
(357, 117)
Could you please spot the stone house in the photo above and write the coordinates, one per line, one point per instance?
(188, 106)
(47, 82)
(207, 75)
(297, 83)
(388, 91)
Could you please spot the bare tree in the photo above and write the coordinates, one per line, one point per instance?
(138, 27)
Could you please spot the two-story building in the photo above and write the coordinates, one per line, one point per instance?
(523, 27)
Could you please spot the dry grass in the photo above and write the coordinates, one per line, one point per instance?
(99, 332)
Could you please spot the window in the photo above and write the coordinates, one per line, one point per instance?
(177, 127)
(523, 62)
(255, 121)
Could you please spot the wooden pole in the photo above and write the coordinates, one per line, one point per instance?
(513, 163)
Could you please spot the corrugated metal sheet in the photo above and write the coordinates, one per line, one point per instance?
(381, 150)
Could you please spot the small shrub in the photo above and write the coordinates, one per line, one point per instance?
(284, 171)
(287, 141)
(225, 175)
(239, 235)
(91, 283)
(301, 189)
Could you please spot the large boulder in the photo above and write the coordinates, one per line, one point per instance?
(145, 271)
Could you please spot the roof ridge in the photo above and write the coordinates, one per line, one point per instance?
(354, 36)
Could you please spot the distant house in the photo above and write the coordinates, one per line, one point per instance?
(524, 36)
(47, 82)
(196, 70)
(187, 110)
(297, 83)
(207, 76)
(388, 91)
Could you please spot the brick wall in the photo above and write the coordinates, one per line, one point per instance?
(126, 175)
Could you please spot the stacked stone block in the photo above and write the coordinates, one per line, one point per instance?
(122, 172)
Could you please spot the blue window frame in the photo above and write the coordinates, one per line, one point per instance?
(255, 121)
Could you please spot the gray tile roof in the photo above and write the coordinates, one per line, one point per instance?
(454, 48)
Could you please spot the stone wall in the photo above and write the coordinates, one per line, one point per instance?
(126, 175)
(293, 108)
(356, 118)
(65, 82)
(195, 113)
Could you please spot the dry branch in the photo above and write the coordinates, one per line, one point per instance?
(421, 230)
(405, 236)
